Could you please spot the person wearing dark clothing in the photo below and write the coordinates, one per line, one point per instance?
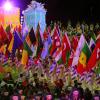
(81, 91)
(87, 94)
(96, 95)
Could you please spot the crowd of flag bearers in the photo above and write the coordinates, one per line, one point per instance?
(58, 63)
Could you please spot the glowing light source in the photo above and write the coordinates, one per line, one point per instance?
(7, 6)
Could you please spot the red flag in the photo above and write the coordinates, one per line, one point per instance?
(94, 57)
(74, 42)
(3, 35)
(45, 34)
(71, 58)
(66, 47)
(56, 42)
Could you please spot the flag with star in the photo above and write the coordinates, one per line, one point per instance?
(84, 57)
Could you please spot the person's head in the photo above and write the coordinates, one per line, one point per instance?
(96, 92)
(75, 83)
(87, 90)
(75, 94)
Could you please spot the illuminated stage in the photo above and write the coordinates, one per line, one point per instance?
(9, 15)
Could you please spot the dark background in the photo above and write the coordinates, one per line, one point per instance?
(64, 10)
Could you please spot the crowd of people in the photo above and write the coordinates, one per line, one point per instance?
(35, 86)
(45, 79)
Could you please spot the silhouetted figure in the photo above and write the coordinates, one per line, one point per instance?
(87, 94)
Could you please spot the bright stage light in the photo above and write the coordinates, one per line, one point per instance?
(7, 6)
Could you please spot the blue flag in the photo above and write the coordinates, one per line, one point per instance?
(17, 42)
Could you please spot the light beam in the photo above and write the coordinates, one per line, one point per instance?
(8, 6)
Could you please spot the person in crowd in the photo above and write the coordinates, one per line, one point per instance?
(87, 94)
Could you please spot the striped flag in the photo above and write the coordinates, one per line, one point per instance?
(78, 50)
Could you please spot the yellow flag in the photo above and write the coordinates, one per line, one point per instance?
(3, 49)
(11, 45)
(24, 57)
(83, 59)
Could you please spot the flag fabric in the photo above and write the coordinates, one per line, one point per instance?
(66, 46)
(3, 35)
(55, 42)
(32, 36)
(92, 44)
(46, 43)
(74, 42)
(24, 31)
(8, 29)
(52, 67)
(58, 54)
(45, 50)
(26, 53)
(73, 72)
(71, 58)
(49, 39)
(95, 57)
(15, 43)
(78, 50)
(10, 47)
(83, 59)
(93, 36)
(89, 77)
(3, 49)
(39, 42)
(9, 33)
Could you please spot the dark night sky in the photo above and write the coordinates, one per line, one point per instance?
(62, 10)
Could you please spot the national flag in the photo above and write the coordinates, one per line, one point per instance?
(55, 42)
(49, 39)
(73, 72)
(8, 29)
(58, 30)
(9, 33)
(3, 49)
(26, 53)
(45, 50)
(47, 43)
(98, 37)
(52, 67)
(39, 42)
(78, 50)
(32, 36)
(74, 42)
(58, 54)
(66, 46)
(15, 43)
(92, 44)
(93, 36)
(95, 57)
(83, 59)
(45, 34)
(71, 58)
(10, 47)
(3, 35)
(25, 31)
